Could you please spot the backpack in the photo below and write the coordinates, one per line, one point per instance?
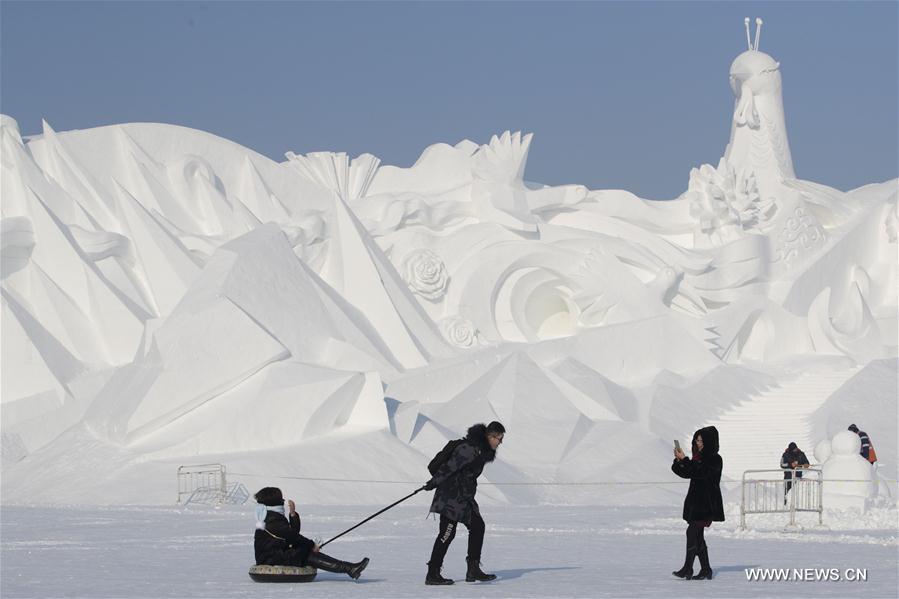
(443, 455)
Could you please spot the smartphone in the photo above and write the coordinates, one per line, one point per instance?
(677, 445)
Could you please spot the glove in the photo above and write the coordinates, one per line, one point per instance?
(430, 485)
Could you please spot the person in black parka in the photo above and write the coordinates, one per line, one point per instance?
(456, 482)
(278, 541)
(703, 504)
(792, 459)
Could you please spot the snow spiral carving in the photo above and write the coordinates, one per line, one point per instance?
(800, 234)
(425, 273)
(459, 331)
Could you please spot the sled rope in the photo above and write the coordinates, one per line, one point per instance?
(373, 515)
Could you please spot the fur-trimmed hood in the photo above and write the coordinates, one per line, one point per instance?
(477, 436)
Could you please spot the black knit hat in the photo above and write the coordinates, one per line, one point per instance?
(853, 428)
(495, 428)
(792, 446)
(270, 496)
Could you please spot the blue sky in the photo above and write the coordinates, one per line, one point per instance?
(618, 95)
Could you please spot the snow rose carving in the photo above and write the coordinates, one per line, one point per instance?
(425, 273)
(459, 331)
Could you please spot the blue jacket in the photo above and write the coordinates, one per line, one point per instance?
(866, 444)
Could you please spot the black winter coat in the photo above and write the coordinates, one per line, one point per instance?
(788, 458)
(457, 479)
(703, 501)
(280, 543)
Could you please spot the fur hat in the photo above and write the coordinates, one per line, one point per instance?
(270, 496)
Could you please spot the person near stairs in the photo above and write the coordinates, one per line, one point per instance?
(278, 541)
(792, 458)
(703, 504)
(456, 482)
(867, 450)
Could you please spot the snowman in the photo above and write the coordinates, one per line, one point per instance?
(822, 451)
(845, 464)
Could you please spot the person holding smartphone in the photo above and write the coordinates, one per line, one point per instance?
(703, 504)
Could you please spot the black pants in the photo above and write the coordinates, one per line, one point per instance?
(447, 533)
(695, 536)
(788, 484)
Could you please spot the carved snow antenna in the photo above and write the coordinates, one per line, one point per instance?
(758, 32)
(748, 39)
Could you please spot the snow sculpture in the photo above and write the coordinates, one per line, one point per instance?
(459, 331)
(852, 331)
(334, 171)
(497, 190)
(845, 465)
(749, 184)
(725, 202)
(17, 239)
(254, 306)
(822, 451)
(162, 287)
(891, 223)
(799, 234)
(521, 393)
(758, 133)
(425, 273)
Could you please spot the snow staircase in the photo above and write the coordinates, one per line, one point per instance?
(755, 433)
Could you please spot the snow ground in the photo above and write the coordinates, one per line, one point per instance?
(538, 551)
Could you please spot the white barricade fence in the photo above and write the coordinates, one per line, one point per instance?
(208, 484)
(768, 492)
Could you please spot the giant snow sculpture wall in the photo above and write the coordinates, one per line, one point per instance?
(152, 275)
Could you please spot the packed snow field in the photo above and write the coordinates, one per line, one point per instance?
(540, 551)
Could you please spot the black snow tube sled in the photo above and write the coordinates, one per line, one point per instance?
(283, 573)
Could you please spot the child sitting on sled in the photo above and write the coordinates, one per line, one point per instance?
(278, 541)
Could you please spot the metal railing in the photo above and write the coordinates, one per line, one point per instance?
(767, 492)
(207, 480)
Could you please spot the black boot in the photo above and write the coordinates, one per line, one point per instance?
(329, 564)
(705, 570)
(475, 574)
(356, 569)
(687, 570)
(434, 576)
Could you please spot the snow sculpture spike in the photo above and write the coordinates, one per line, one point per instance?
(758, 33)
(350, 179)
